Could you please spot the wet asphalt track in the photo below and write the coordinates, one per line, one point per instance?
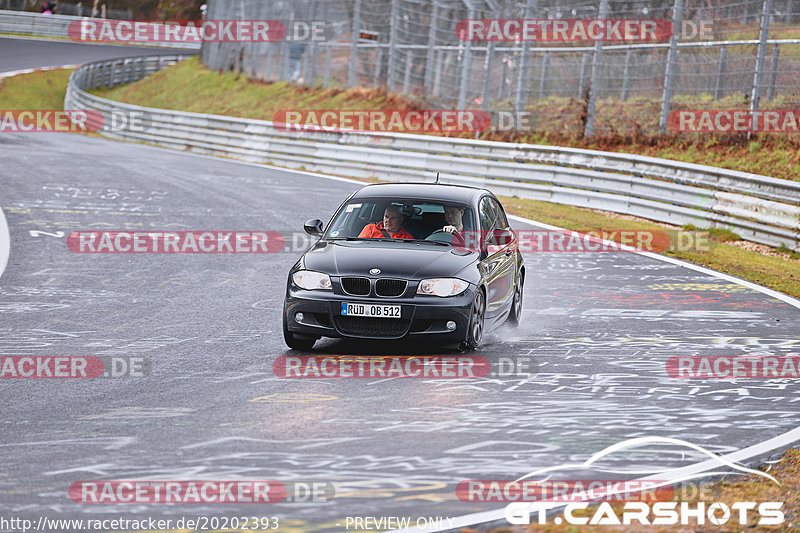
(597, 330)
(22, 53)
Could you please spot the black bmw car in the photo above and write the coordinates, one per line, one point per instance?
(407, 260)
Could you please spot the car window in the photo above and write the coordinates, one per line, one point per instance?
(421, 218)
(501, 222)
(488, 214)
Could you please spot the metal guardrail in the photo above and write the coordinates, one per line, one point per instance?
(758, 208)
(37, 24)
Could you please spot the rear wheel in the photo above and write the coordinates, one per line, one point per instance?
(516, 306)
(476, 320)
(295, 341)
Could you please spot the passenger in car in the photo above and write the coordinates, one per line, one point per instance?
(390, 227)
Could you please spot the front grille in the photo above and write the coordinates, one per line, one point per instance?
(372, 327)
(390, 287)
(356, 286)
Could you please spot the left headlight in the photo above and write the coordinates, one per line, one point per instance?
(442, 286)
(308, 279)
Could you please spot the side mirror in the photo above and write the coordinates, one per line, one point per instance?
(313, 227)
(502, 237)
(498, 239)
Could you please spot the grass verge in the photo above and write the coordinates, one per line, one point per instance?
(37, 90)
(189, 86)
(773, 268)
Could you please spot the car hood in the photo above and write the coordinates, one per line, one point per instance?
(394, 259)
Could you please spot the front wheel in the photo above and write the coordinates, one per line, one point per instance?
(516, 306)
(297, 342)
(475, 331)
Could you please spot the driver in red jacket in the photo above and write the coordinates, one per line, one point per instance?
(389, 228)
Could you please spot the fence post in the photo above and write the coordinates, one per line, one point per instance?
(311, 80)
(723, 59)
(626, 75)
(429, 61)
(583, 74)
(351, 72)
(466, 62)
(594, 89)
(268, 68)
(672, 64)
(407, 73)
(285, 64)
(376, 74)
(773, 74)
(113, 72)
(503, 80)
(392, 43)
(543, 79)
(437, 78)
(522, 80)
(327, 65)
(758, 79)
(488, 78)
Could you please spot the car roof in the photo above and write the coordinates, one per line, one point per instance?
(421, 190)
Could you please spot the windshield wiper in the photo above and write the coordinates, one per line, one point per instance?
(439, 243)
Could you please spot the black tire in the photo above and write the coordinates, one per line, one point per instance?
(297, 342)
(516, 305)
(476, 322)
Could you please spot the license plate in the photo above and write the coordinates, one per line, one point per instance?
(375, 311)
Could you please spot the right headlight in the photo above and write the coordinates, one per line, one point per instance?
(442, 286)
(310, 280)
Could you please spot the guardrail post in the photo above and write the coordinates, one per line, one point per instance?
(407, 73)
(429, 60)
(719, 89)
(351, 69)
(543, 78)
(626, 75)
(393, 22)
(327, 66)
(90, 77)
(522, 79)
(672, 65)
(773, 74)
(758, 78)
(487, 79)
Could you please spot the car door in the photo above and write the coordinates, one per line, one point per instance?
(498, 266)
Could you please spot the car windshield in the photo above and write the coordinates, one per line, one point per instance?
(397, 219)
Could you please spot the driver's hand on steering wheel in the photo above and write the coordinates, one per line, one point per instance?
(449, 229)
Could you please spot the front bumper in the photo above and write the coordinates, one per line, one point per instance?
(421, 316)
